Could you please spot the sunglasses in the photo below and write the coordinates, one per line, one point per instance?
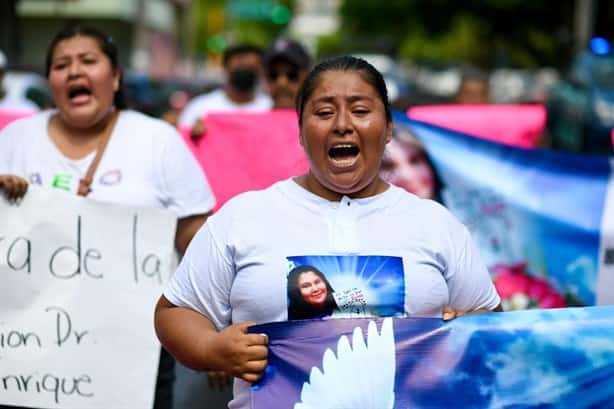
(291, 75)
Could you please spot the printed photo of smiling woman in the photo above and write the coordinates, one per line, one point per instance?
(310, 295)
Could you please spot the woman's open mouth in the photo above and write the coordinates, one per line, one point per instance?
(343, 155)
(79, 94)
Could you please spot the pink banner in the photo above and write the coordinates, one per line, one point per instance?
(248, 151)
(517, 125)
(7, 116)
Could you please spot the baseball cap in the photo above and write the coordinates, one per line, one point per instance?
(289, 50)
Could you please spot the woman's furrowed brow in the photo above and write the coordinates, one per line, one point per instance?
(82, 54)
(358, 97)
(324, 99)
(349, 98)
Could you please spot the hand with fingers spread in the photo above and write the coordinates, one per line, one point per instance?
(239, 353)
(13, 186)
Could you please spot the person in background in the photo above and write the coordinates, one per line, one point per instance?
(286, 64)
(10, 101)
(234, 273)
(176, 101)
(406, 164)
(473, 88)
(142, 160)
(240, 91)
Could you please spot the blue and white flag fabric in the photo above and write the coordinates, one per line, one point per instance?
(543, 220)
(557, 358)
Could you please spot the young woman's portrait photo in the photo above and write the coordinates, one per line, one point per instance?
(310, 295)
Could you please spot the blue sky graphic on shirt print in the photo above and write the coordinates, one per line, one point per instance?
(368, 285)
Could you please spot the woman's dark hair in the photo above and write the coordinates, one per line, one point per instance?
(342, 63)
(106, 46)
(298, 308)
(437, 182)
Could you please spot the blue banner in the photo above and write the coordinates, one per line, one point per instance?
(539, 217)
(558, 358)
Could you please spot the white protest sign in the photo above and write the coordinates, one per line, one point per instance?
(79, 280)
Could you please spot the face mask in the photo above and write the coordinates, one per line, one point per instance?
(243, 80)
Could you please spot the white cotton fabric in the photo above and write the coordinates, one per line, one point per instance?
(217, 101)
(146, 163)
(235, 267)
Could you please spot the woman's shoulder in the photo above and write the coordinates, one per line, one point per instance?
(254, 206)
(254, 201)
(244, 216)
(138, 118)
(429, 222)
(426, 210)
(139, 124)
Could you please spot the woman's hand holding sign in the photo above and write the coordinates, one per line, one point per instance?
(232, 350)
(14, 187)
(449, 313)
(239, 353)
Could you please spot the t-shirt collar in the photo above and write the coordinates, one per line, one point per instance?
(302, 196)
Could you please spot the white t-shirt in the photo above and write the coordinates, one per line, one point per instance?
(217, 101)
(236, 267)
(146, 163)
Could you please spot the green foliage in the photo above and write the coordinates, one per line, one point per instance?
(255, 32)
(522, 33)
(200, 40)
(460, 43)
(234, 21)
(330, 45)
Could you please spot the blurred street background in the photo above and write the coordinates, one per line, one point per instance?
(558, 54)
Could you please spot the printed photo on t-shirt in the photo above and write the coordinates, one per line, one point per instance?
(345, 287)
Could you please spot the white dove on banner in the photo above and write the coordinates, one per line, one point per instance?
(361, 376)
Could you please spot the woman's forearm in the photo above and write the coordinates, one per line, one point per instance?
(194, 341)
(186, 334)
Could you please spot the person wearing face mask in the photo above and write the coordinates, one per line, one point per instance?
(286, 64)
(473, 89)
(242, 71)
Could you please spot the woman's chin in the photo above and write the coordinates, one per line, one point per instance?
(318, 305)
(345, 184)
(82, 119)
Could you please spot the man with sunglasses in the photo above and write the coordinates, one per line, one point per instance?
(286, 64)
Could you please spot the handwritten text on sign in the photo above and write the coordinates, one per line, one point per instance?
(79, 283)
